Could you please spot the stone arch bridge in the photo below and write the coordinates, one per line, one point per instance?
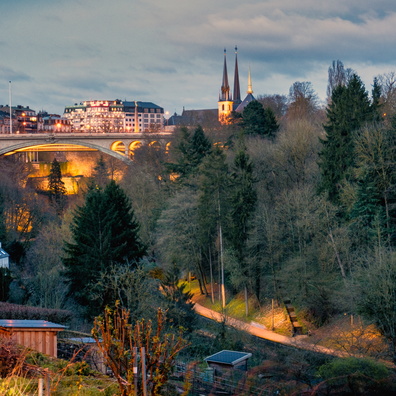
(118, 145)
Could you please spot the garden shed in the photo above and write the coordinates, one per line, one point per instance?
(39, 335)
(228, 360)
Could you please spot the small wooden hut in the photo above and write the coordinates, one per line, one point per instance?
(223, 360)
(39, 335)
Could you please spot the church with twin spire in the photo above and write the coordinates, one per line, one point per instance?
(228, 103)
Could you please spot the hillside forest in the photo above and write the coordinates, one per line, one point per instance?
(291, 199)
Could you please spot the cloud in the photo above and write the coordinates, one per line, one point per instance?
(171, 52)
(7, 73)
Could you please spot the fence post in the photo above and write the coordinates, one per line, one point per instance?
(135, 369)
(143, 361)
(47, 383)
(40, 386)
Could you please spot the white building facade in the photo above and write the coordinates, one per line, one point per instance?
(115, 116)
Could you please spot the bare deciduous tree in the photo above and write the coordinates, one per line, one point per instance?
(125, 347)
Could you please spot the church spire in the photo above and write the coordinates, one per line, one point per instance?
(237, 89)
(225, 88)
(250, 89)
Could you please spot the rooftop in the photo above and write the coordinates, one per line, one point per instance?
(228, 357)
(37, 324)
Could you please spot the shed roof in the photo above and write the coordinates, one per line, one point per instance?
(23, 323)
(83, 340)
(228, 357)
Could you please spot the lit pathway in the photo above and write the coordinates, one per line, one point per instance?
(258, 331)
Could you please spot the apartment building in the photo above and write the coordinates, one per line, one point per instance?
(115, 116)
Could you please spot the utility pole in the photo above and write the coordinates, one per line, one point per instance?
(10, 101)
(223, 299)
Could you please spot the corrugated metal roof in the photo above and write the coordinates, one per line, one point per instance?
(228, 357)
(24, 323)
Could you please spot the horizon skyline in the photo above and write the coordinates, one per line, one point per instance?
(172, 54)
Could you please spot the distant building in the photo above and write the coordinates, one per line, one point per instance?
(24, 119)
(205, 117)
(228, 103)
(4, 258)
(4, 122)
(53, 123)
(116, 116)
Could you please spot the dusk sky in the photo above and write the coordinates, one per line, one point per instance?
(170, 52)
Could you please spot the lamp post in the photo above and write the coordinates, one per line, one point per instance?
(10, 100)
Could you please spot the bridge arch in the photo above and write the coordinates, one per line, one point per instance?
(133, 146)
(118, 147)
(155, 145)
(67, 142)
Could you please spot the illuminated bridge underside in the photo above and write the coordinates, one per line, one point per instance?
(53, 147)
(120, 146)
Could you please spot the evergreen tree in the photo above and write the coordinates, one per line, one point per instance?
(376, 100)
(125, 242)
(367, 214)
(349, 110)
(373, 209)
(190, 150)
(243, 201)
(213, 205)
(179, 305)
(258, 120)
(100, 174)
(56, 187)
(200, 147)
(5, 282)
(271, 125)
(254, 118)
(104, 233)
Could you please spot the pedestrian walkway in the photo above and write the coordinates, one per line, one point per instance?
(259, 331)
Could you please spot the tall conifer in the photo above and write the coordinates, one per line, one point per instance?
(349, 110)
(104, 233)
(56, 187)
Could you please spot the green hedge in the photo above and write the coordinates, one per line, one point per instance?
(15, 311)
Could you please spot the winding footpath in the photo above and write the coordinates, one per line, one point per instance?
(261, 332)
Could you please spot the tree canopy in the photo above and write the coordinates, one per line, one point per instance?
(349, 110)
(104, 233)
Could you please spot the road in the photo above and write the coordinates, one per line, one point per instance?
(259, 331)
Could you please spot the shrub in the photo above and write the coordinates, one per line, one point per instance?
(15, 311)
(352, 365)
